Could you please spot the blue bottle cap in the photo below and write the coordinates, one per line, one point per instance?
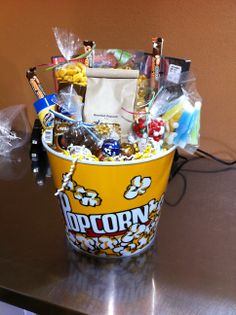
(44, 102)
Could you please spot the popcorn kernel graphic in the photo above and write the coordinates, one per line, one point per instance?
(86, 197)
(131, 239)
(136, 238)
(138, 186)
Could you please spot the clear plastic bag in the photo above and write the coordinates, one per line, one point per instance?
(187, 132)
(67, 42)
(70, 103)
(179, 104)
(127, 59)
(69, 70)
(171, 93)
(14, 128)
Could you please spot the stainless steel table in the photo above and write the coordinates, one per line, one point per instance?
(190, 269)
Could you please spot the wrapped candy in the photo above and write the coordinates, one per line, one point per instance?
(111, 147)
(140, 127)
(156, 129)
(127, 149)
(72, 70)
(82, 135)
(69, 45)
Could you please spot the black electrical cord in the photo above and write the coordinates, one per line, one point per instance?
(204, 153)
(201, 154)
(174, 204)
(226, 169)
(177, 166)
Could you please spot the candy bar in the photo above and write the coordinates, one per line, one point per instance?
(34, 83)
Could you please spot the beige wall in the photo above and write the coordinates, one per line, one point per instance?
(204, 31)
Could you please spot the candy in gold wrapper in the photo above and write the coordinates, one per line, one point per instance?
(141, 92)
(127, 149)
(106, 130)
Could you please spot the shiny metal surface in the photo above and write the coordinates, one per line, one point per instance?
(190, 269)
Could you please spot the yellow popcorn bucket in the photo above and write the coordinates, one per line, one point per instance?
(111, 208)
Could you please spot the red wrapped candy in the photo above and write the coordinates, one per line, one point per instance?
(140, 127)
(156, 129)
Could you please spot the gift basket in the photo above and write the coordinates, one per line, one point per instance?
(110, 130)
